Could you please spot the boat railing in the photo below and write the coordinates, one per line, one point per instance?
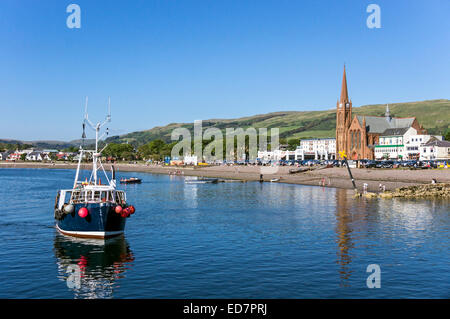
(89, 196)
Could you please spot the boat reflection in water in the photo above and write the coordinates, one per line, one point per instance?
(91, 268)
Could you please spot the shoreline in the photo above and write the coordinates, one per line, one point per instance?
(336, 177)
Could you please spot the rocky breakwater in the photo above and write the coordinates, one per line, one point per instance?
(441, 190)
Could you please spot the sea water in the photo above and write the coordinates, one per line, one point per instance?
(226, 240)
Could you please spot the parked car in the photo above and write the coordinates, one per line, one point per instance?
(385, 164)
(369, 164)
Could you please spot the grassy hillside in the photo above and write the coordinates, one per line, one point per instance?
(47, 144)
(434, 115)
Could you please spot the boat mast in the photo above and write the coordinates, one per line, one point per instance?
(96, 154)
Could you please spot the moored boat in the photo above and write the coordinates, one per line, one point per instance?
(131, 180)
(92, 209)
(202, 181)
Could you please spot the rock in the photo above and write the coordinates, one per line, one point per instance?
(420, 191)
(370, 195)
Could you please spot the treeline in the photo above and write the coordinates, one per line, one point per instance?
(157, 150)
(14, 146)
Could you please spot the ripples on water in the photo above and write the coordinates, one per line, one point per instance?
(228, 240)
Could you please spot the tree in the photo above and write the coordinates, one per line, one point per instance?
(23, 157)
(447, 135)
(53, 156)
(293, 143)
(119, 151)
(155, 149)
(71, 149)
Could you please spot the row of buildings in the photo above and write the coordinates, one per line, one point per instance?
(400, 144)
(36, 155)
(384, 137)
(368, 137)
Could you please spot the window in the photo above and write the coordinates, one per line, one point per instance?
(96, 196)
(67, 196)
(359, 139)
(78, 196)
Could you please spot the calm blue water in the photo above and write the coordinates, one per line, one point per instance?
(241, 240)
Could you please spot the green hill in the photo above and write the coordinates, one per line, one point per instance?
(11, 144)
(434, 115)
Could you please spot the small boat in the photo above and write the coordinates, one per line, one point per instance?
(275, 180)
(131, 180)
(298, 170)
(92, 209)
(202, 181)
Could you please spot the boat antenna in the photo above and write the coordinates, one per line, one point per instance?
(108, 117)
(83, 136)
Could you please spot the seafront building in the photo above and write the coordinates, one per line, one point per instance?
(37, 156)
(316, 148)
(405, 144)
(392, 143)
(413, 143)
(276, 155)
(31, 155)
(435, 149)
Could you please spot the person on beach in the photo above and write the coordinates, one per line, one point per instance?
(365, 186)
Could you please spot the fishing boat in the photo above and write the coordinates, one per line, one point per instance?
(92, 209)
(131, 180)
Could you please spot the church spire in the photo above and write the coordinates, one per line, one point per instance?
(344, 92)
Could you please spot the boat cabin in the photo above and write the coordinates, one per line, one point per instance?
(90, 194)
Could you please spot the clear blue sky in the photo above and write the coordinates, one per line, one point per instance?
(178, 61)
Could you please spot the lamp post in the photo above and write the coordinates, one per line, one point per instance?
(344, 156)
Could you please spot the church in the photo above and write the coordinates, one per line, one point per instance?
(358, 135)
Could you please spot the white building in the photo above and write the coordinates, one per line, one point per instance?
(392, 143)
(413, 143)
(5, 155)
(435, 149)
(37, 156)
(190, 160)
(276, 155)
(317, 148)
(406, 144)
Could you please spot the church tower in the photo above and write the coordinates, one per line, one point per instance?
(343, 119)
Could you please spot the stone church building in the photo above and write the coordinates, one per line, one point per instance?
(358, 135)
